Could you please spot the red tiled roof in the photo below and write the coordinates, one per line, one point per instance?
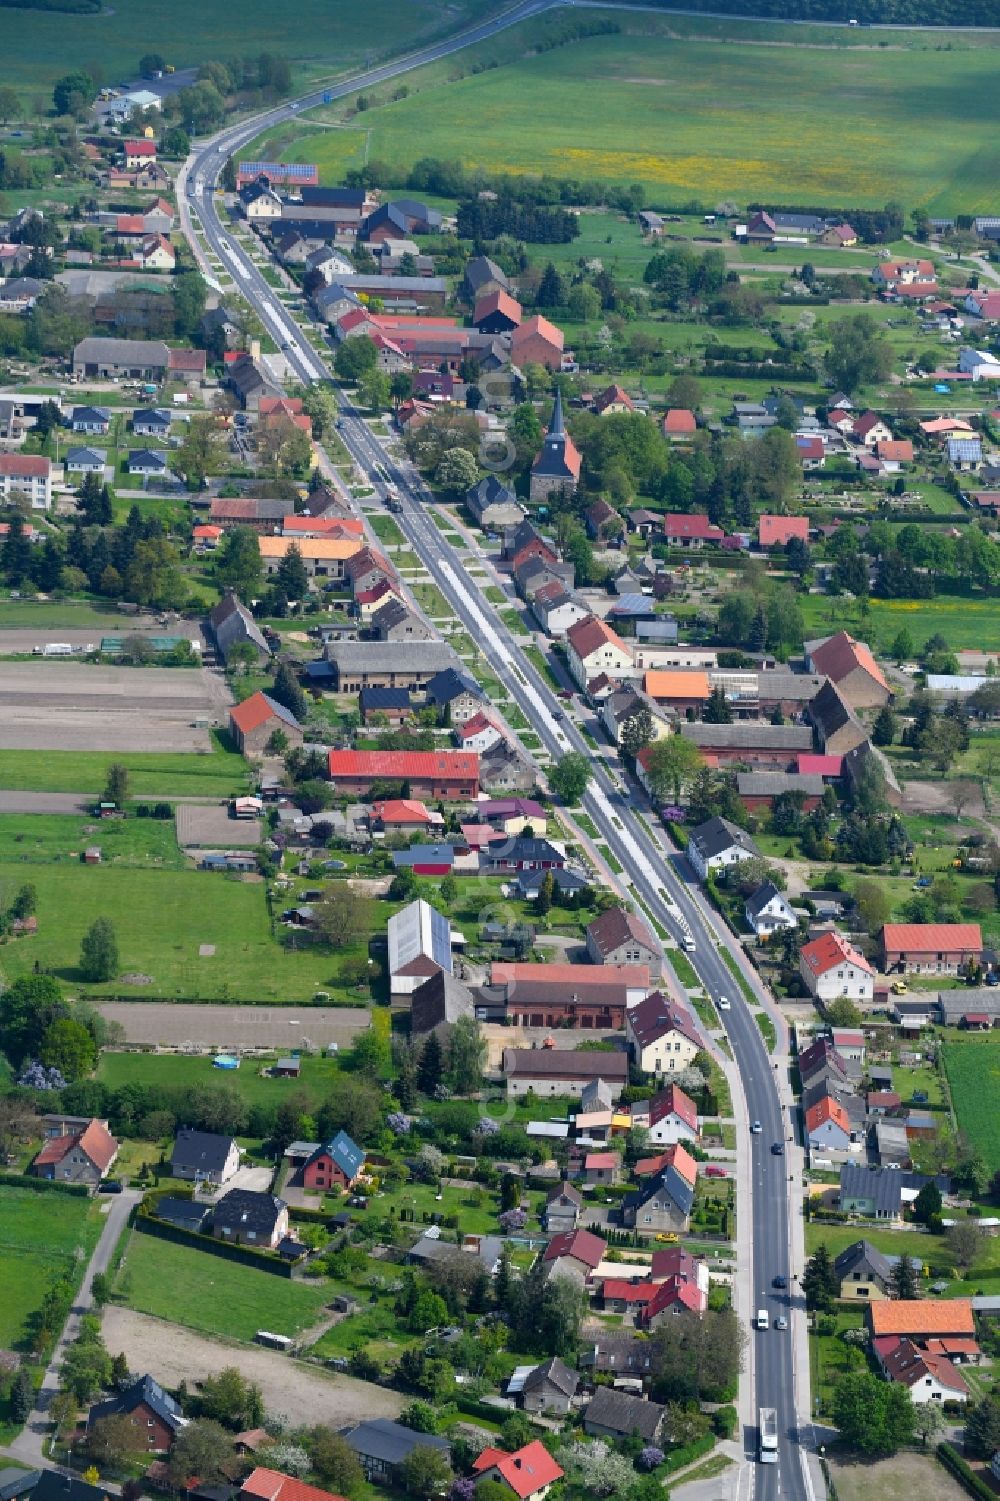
(676, 1156)
(130, 224)
(579, 1245)
(617, 926)
(24, 465)
(898, 451)
(775, 531)
(613, 396)
(657, 1015)
(193, 360)
(827, 1109)
(809, 764)
(526, 1471)
(673, 1291)
(694, 525)
(271, 1485)
(140, 148)
(574, 977)
(932, 937)
(673, 1101)
(602, 1161)
(680, 420)
(402, 810)
(251, 713)
(497, 302)
(590, 634)
(829, 950)
(95, 1140)
(537, 326)
(458, 766)
(921, 1316)
(625, 1291)
(840, 655)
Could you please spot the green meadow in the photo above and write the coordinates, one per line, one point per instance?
(40, 1234)
(691, 114)
(321, 38)
(162, 918)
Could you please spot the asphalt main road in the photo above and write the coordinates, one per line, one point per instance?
(669, 890)
(662, 879)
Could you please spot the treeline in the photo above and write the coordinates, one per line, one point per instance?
(137, 561)
(447, 178)
(868, 12)
(751, 370)
(533, 223)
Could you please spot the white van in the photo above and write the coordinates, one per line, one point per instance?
(763, 1322)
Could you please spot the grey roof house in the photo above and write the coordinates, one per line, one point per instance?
(617, 1415)
(382, 1446)
(204, 1156)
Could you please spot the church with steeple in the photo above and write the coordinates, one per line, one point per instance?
(557, 466)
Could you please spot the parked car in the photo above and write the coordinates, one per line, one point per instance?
(712, 1171)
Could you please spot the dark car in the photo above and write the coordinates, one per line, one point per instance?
(779, 1282)
(919, 1097)
(777, 1149)
(111, 1186)
(557, 714)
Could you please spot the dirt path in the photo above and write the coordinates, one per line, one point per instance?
(172, 1354)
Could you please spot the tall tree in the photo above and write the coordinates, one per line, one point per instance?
(99, 952)
(670, 765)
(431, 1068)
(285, 690)
(238, 563)
(874, 1417)
(904, 1280)
(466, 1056)
(819, 1280)
(569, 778)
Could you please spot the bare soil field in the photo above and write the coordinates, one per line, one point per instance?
(304, 1392)
(160, 1024)
(206, 826)
(47, 705)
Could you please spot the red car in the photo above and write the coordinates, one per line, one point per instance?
(715, 1172)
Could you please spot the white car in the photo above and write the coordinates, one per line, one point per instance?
(724, 1003)
(756, 1128)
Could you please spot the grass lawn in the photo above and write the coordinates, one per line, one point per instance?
(386, 530)
(964, 621)
(930, 1250)
(189, 1286)
(973, 1069)
(161, 918)
(72, 614)
(677, 78)
(830, 1358)
(173, 774)
(167, 1070)
(40, 1234)
(431, 600)
(43, 838)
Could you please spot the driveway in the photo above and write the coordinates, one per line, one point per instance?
(254, 1179)
(28, 1444)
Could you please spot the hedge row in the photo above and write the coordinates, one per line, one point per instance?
(964, 1473)
(44, 1185)
(224, 1248)
(679, 1459)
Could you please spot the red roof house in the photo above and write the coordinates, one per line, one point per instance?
(271, 1485)
(529, 1472)
(578, 1250)
(427, 774)
(679, 422)
(930, 947)
(77, 1156)
(776, 531)
(694, 530)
